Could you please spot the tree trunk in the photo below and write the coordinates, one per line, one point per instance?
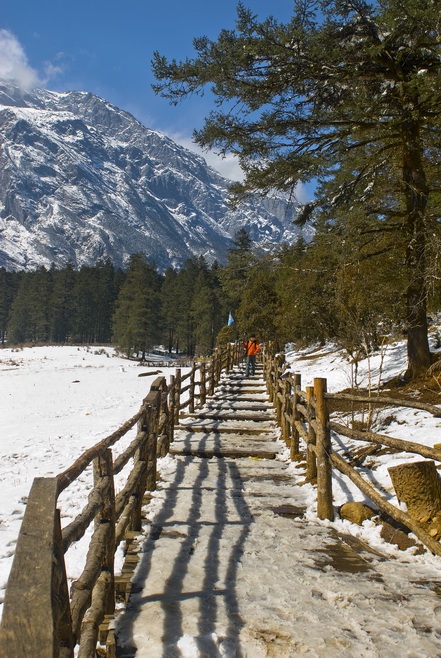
(418, 485)
(416, 196)
(418, 354)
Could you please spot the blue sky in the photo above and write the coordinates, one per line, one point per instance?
(107, 47)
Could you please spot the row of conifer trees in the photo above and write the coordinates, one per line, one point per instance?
(333, 288)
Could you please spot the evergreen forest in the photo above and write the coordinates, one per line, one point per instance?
(328, 289)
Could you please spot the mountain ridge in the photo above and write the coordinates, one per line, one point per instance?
(81, 179)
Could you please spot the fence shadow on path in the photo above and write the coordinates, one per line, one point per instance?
(227, 491)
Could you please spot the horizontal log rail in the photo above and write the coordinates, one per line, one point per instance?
(387, 401)
(40, 618)
(306, 415)
(391, 442)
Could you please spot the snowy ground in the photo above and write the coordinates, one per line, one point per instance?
(57, 401)
(402, 423)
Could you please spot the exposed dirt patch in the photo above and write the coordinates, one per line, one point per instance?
(289, 511)
(274, 479)
(420, 390)
(341, 558)
(426, 388)
(434, 585)
(346, 555)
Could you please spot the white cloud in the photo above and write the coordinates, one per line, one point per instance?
(13, 62)
(302, 193)
(51, 70)
(227, 166)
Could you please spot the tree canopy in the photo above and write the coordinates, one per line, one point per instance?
(347, 93)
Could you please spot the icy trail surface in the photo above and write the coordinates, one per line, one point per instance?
(223, 573)
(233, 564)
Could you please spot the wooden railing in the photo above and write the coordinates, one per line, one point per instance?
(307, 425)
(41, 619)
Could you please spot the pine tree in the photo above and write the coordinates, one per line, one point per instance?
(106, 291)
(235, 275)
(9, 282)
(29, 317)
(370, 283)
(19, 320)
(257, 310)
(61, 307)
(137, 322)
(219, 303)
(305, 290)
(169, 307)
(346, 93)
(93, 302)
(206, 311)
(84, 301)
(185, 289)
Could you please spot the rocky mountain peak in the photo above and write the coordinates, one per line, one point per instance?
(81, 179)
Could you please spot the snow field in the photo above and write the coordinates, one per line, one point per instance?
(55, 402)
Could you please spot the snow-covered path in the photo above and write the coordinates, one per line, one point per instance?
(230, 567)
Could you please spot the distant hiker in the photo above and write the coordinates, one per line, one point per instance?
(251, 347)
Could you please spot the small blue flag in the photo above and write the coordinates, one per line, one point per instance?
(230, 319)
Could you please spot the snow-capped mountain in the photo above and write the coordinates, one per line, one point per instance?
(81, 179)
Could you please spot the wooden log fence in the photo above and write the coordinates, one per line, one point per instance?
(307, 427)
(41, 618)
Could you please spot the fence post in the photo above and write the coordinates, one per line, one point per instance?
(237, 350)
(172, 407)
(152, 418)
(219, 366)
(311, 461)
(164, 421)
(228, 364)
(295, 437)
(177, 395)
(285, 426)
(60, 588)
(38, 583)
(212, 373)
(141, 456)
(102, 601)
(325, 508)
(103, 468)
(267, 374)
(203, 385)
(278, 362)
(191, 389)
(272, 379)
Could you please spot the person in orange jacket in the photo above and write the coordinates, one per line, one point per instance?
(251, 347)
